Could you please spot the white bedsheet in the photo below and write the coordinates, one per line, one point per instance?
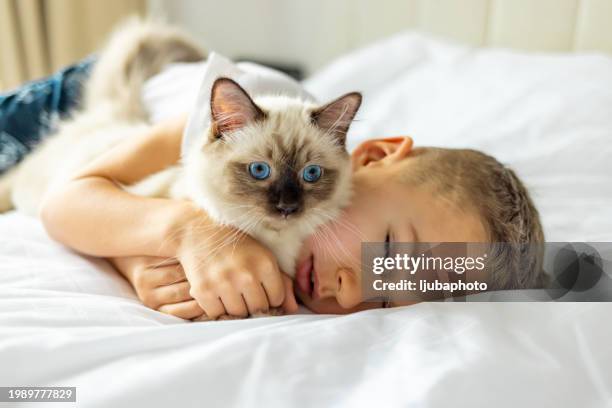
(67, 320)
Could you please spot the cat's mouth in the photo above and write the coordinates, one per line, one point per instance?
(275, 225)
(277, 222)
(306, 278)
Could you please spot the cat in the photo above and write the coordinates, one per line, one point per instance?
(273, 166)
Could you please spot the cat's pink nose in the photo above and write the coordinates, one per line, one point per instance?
(287, 209)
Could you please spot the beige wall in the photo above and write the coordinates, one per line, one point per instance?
(38, 37)
(312, 32)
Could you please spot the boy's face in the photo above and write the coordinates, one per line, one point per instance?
(382, 206)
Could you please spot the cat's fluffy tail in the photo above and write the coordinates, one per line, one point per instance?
(136, 51)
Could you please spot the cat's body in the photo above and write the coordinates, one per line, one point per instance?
(297, 146)
(111, 111)
(288, 143)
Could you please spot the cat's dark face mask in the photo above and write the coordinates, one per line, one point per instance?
(286, 195)
(285, 184)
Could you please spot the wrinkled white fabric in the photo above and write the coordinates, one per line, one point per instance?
(548, 116)
(68, 320)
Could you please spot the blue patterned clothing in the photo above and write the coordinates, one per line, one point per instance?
(32, 111)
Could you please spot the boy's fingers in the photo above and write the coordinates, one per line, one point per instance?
(233, 302)
(274, 287)
(256, 299)
(212, 306)
(175, 293)
(185, 310)
(165, 275)
(289, 303)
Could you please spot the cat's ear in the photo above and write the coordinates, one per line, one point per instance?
(336, 117)
(231, 107)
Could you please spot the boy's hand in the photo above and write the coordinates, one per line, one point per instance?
(160, 285)
(163, 286)
(231, 273)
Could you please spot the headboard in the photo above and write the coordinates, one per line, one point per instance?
(312, 32)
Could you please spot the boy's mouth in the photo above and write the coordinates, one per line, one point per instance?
(306, 278)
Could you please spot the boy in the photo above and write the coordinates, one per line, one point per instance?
(402, 193)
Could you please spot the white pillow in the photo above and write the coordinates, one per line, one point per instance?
(548, 116)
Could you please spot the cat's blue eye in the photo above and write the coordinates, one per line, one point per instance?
(312, 173)
(259, 170)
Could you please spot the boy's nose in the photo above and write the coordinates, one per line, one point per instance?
(348, 290)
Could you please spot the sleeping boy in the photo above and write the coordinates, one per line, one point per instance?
(401, 193)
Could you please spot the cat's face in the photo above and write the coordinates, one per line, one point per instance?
(278, 162)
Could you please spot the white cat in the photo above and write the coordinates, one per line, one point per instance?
(274, 167)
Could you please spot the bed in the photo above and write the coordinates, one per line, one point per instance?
(69, 320)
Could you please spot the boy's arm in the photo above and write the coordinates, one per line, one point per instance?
(92, 214)
(125, 224)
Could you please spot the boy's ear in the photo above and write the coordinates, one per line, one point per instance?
(336, 117)
(231, 107)
(374, 150)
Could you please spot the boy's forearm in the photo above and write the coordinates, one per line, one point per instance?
(92, 215)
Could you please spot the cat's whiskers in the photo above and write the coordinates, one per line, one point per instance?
(331, 238)
(339, 220)
(243, 228)
(179, 231)
(233, 235)
(211, 246)
(247, 229)
(327, 244)
(331, 247)
(226, 239)
(352, 259)
(315, 235)
(317, 240)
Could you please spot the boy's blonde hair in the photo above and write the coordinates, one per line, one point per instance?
(474, 179)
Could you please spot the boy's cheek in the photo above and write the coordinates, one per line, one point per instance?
(351, 232)
(344, 249)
